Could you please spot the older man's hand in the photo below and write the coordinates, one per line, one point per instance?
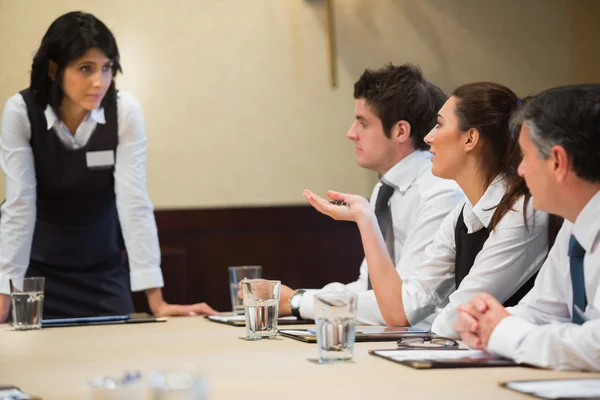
(478, 319)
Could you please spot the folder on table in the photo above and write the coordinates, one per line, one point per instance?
(363, 333)
(582, 388)
(443, 358)
(136, 318)
(240, 320)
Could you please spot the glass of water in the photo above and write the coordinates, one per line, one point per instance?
(27, 303)
(128, 387)
(236, 275)
(261, 306)
(335, 315)
(183, 383)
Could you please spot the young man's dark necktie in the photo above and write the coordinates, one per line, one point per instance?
(384, 219)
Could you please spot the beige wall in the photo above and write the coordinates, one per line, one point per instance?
(238, 106)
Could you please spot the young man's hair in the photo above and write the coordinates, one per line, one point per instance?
(567, 116)
(401, 93)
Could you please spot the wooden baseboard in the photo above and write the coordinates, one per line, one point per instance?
(294, 244)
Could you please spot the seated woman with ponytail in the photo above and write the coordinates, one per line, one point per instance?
(493, 241)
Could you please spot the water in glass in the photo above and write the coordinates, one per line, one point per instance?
(261, 318)
(27, 310)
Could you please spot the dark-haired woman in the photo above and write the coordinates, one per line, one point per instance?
(74, 157)
(493, 241)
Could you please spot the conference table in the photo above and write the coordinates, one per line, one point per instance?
(56, 363)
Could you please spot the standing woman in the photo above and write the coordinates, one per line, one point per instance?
(74, 157)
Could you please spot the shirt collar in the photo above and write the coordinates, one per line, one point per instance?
(404, 173)
(587, 224)
(96, 114)
(486, 206)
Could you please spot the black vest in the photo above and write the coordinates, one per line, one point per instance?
(468, 245)
(77, 223)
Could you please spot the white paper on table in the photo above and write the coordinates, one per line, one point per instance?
(228, 318)
(386, 330)
(294, 332)
(562, 388)
(432, 355)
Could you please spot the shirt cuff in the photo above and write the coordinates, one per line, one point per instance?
(413, 309)
(507, 336)
(5, 283)
(307, 304)
(443, 324)
(368, 312)
(145, 278)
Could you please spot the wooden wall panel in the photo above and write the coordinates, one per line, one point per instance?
(294, 244)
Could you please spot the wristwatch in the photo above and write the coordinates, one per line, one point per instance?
(295, 301)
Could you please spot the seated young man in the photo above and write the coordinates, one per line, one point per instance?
(395, 107)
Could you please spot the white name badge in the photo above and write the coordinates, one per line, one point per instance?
(100, 159)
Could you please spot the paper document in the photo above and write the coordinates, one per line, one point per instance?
(228, 318)
(383, 330)
(293, 332)
(557, 389)
(432, 355)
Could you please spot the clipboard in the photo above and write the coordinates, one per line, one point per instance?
(240, 320)
(443, 358)
(577, 388)
(303, 335)
(136, 318)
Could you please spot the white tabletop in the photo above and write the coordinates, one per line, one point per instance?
(55, 364)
